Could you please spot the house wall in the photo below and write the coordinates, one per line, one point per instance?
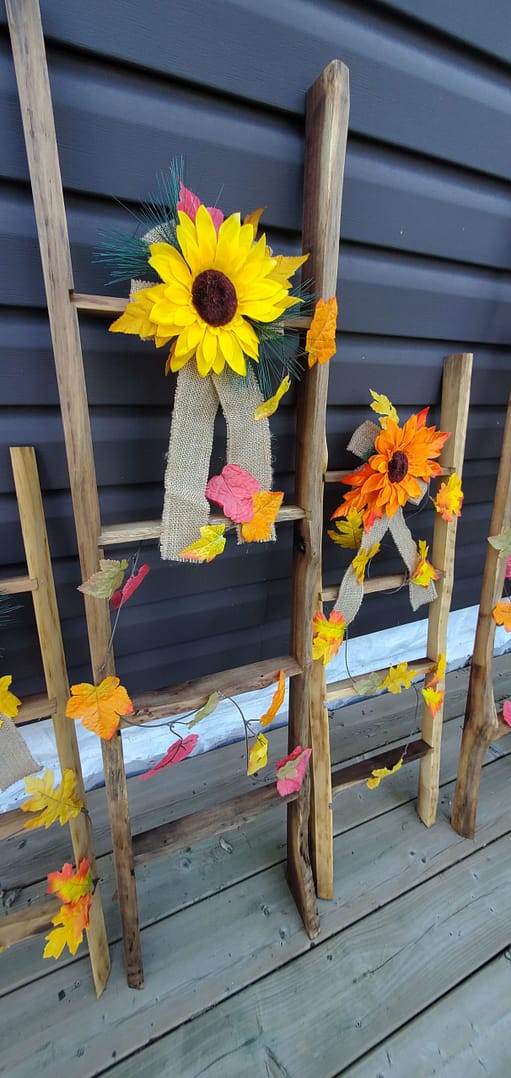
(424, 270)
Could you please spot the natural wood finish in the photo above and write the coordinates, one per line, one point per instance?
(16, 585)
(23, 924)
(371, 586)
(110, 305)
(120, 534)
(327, 110)
(343, 690)
(35, 541)
(41, 144)
(456, 380)
(34, 708)
(481, 721)
(11, 823)
(361, 771)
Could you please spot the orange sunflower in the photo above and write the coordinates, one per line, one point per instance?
(402, 456)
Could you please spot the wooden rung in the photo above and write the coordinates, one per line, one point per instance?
(503, 728)
(15, 585)
(352, 774)
(28, 922)
(110, 305)
(217, 819)
(378, 583)
(342, 690)
(11, 823)
(117, 534)
(191, 695)
(34, 708)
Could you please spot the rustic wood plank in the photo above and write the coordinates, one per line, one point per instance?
(16, 585)
(110, 305)
(140, 530)
(41, 145)
(353, 774)
(327, 110)
(34, 708)
(23, 924)
(481, 722)
(457, 375)
(342, 690)
(371, 586)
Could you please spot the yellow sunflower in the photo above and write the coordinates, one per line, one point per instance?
(210, 290)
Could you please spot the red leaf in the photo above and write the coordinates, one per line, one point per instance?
(133, 582)
(178, 751)
(507, 712)
(233, 490)
(291, 770)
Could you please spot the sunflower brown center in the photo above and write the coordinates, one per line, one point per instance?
(398, 466)
(214, 297)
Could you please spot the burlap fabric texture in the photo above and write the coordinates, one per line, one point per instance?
(16, 760)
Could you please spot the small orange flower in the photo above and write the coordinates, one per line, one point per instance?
(402, 456)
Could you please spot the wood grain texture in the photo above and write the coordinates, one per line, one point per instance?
(138, 531)
(342, 777)
(23, 924)
(41, 145)
(16, 585)
(342, 690)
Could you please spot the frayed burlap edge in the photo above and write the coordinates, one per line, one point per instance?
(16, 760)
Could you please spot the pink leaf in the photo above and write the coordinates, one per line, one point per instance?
(507, 712)
(178, 751)
(291, 770)
(233, 490)
(508, 568)
(133, 582)
(189, 203)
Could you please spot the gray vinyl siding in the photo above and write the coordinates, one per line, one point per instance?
(424, 270)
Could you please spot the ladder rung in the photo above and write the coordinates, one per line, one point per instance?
(30, 921)
(11, 823)
(115, 534)
(191, 695)
(110, 305)
(351, 774)
(34, 708)
(342, 690)
(15, 585)
(378, 583)
(503, 727)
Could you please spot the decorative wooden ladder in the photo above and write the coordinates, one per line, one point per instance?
(454, 416)
(482, 722)
(17, 926)
(325, 141)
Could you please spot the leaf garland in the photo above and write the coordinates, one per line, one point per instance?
(73, 917)
(277, 701)
(99, 707)
(209, 546)
(380, 773)
(291, 770)
(398, 678)
(52, 803)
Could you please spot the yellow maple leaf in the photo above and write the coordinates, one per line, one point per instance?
(433, 698)
(73, 918)
(285, 267)
(328, 635)
(361, 561)
(380, 773)
(258, 756)
(270, 406)
(383, 408)
(320, 343)
(108, 578)
(60, 803)
(99, 707)
(502, 614)
(349, 531)
(449, 499)
(424, 571)
(398, 678)
(277, 701)
(135, 318)
(439, 671)
(266, 506)
(9, 703)
(209, 546)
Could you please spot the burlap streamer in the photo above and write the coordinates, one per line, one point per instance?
(16, 761)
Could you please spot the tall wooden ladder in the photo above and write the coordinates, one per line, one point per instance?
(39, 583)
(327, 107)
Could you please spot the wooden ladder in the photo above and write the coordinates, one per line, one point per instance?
(482, 722)
(454, 417)
(325, 142)
(40, 585)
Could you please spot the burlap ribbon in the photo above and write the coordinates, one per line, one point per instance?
(351, 592)
(16, 760)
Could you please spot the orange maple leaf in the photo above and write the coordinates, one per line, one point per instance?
(266, 506)
(320, 343)
(73, 918)
(502, 614)
(328, 635)
(433, 698)
(277, 701)
(70, 885)
(99, 707)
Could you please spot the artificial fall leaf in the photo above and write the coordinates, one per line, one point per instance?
(136, 318)
(439, 671)
(233, 490)
(99, 707)
(258, 755)
(209, 546)
(368, 685)
(424, 571)
(170, 357)
(380, 773)
(266, 506)
(285, 266)
(60, 803)
(449, 498)
(178, 751)
(108, 577)
(73, 918)
(508, 568)
(383, 408)
(398, 678)
(253, 218)
(320, 342)
(70, 885)
(208, 709)
(506, 712)
(502, 614)
(277, 701)
(270, 406)
(121, 596)
(361, 561)
(501, 542)
(349, 531)
(433, 698)
(328, 635)
(291, 770)
(9, 703)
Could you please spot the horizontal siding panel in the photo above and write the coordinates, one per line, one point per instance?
(483, 26)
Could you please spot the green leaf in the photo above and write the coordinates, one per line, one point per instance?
(208, 709)
(501, 542)
(369, 685)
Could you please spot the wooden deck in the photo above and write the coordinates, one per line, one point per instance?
(411, 974)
